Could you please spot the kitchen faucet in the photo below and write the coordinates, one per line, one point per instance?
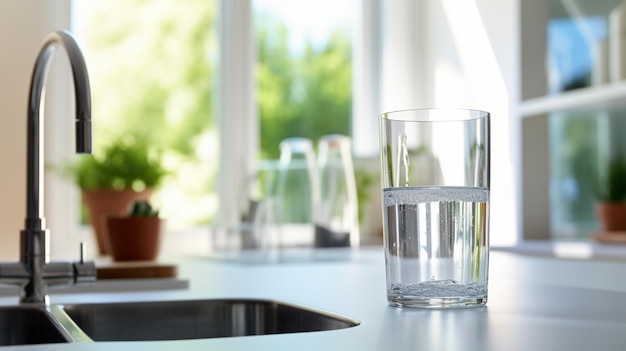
(34, 273)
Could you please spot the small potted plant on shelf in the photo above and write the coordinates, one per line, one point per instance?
(611, 193)
(126, 170)
(136, 236)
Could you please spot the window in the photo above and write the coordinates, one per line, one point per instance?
(382, 43)
(153, 77)
(151, 66)
(304, 70)
(579, 142)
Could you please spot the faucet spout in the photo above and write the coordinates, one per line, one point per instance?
(34, 191)
(35, 271)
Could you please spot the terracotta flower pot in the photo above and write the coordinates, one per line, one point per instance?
(612, 215)
(134, 238)
(106, 202)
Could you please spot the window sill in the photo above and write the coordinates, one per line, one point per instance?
(581, 249)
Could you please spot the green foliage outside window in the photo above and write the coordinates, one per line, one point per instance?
(152, 77)
(305, 95)
(150, 69)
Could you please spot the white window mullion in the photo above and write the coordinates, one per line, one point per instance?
(388, 65)
(236, 114)
(366, 77)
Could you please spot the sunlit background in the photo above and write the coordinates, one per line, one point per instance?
(161, 70)
(153, 77)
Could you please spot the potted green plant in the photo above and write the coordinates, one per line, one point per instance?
(136, 236)
(126, 170)
(611, 193)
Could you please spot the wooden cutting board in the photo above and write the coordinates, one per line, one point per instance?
(136, 270)
(610, 238)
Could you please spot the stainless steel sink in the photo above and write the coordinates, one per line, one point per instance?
(22, 325)
(197, 319)
(159, 320)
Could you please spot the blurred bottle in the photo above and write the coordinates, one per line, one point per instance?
(297, 190)
(336, 213)
(253, 223)
(257, 225)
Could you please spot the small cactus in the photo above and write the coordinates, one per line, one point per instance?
(142, 208)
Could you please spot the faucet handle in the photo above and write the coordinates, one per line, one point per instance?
(84, 271)
(83, 252)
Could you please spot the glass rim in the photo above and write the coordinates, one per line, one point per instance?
(435, 114)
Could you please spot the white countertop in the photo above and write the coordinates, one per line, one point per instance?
(535, 303)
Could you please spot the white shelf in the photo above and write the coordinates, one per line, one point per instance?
(604, 97)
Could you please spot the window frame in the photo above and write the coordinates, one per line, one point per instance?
(237, 115)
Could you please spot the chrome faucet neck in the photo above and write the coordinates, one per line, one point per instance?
(34, 172)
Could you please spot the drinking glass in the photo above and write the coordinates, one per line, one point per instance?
(435, 195)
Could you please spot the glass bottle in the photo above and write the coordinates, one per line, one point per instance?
(336, 214)
(297, 190)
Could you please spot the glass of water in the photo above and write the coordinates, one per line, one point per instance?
(435, 195)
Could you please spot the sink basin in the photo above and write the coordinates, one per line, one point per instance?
(159, 320)
(197, 319)
(22, 325)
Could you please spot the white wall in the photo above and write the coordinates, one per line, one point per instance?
(486, 52)
(446, 53)
(24, 25)
(473, 54)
